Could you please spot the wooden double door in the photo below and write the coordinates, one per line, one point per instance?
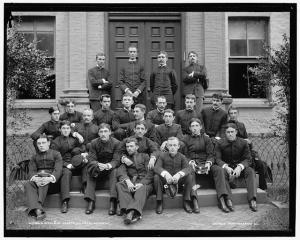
(149, 37)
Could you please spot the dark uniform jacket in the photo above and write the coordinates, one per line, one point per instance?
(50, 128)
(75, 117)
(163, 132)
(104, 152)
(68, 147)
(172, 164)
(183, 118)
(88, 131)
(50, 161)
(136, 172)
(145, 146)
(241, 129)
(104, 116)
(214, 121)
(95, 76)
(163, 82)
(150, 130)
(196, 84)
(233, 153)
(121, 118)
(156, 117)
(198, 148)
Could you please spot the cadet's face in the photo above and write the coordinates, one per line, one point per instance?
(230, 133)
(106, 103)
(132, 53)
(131, 148)
(168, 118)
(65, 130)
(195, 127)
(140, 130)
(161, 103)
(87, 116)
(233, 114)
(100, 61)
(127, 102)
(138, 113)
(70, 108)
(43, 144)
(162, 59)
(173, 146)
(104, 134)
(193, 58)
(55, 116)
(216, 102)
(190, 103)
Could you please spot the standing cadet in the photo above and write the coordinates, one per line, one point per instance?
(132, 77)
(156, 115)
(135, 182)
(195, 80)
(99, 82)
(163, 81)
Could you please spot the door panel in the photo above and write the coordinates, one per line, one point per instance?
(150, 37)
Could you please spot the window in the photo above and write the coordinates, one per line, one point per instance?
(41, 31)
(247, 37)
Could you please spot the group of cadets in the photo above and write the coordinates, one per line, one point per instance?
(139, 154)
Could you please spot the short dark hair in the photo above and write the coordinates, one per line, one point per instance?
(131, 139)
(190, 96)
(68, 101)
(140, 123)
(195, 120)
(104, 96)
(218, 96)
(99, 54)
(169, 111)
(64, 122)
(43, 136)
(104, 125)
(232, 107)
(193, 53)
(231, 125)
(140, 106)
(53, 109)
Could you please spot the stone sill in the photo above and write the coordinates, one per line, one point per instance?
(35, 103)
(252, 103)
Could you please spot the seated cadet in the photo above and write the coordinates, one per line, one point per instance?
(156, 115)
(103, 159)
(214, 117)
(139, 115)
(184, 116)
(123, 117)
(105, 114)
(168, 129)
(199, 150)
(45, 169)
(145, 145)
(172, 167)
(71, 115)
(257, 164)
(68, 147)
(233, 154)
(135, 182)
(50, 128)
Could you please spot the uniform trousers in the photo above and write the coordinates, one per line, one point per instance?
(187, 180)
(35, 196)
(133, 200)
(260, 167)
(92, 182)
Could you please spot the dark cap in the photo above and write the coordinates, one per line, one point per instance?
(232, 125)
(171, 190)
(77, 161)
(52, 109)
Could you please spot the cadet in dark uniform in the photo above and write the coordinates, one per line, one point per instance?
(103, 159)
(233, 154)
(105, 114)
(99, 82)
(71, 114)
(163, 81)
(156, 115)
(45, 170)
(172, 167)
(184, 116)
(194, 79)
(50, 128)
(199, 150)
(135, 182)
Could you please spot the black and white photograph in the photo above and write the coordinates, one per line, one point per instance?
(149, 119)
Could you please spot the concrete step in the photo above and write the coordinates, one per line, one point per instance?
(207, 197)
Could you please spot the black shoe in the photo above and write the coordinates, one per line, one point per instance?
(112, 208)
(159, 207)
(196, 208)
(119, 211)
(229, 204)
(222, 205)
(90, 207)
(129, 217)
(187, 207)
(136, 217)
(64, 207)
(40, 214)
(253, 205)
